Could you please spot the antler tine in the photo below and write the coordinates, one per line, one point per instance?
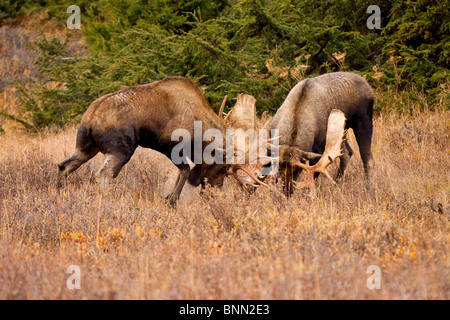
(265, 124)
(344, 139)
(222, 106)
(273, 139)
(261, 158)
(228, 114)
(246, 170)
(243, 181)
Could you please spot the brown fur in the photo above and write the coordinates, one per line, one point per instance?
(144, 115)
(302, 119)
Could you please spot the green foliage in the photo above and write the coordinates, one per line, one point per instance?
(259, 47)
(11, 9)
(419, 32)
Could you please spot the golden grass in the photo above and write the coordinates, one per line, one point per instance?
(228, 244)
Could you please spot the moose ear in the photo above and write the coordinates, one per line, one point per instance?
(310, 155)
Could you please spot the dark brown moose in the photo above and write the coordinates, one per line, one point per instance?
(147, 115)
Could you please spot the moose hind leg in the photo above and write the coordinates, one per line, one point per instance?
(72, 163)
(363, 135)
(111, 168)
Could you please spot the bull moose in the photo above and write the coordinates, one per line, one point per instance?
(302, 124)
(146, 115)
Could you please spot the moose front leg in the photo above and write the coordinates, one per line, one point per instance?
(344, 160)
(290, 176)
(174, 196)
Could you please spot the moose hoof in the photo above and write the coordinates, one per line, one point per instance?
(171, 200)
(60, 182)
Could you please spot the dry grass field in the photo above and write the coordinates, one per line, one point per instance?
(228, 244)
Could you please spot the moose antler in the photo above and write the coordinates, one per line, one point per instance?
(222, 106)
(221, 113)
(243, 117)
(333, 149)
(254, 160)
(246, 181)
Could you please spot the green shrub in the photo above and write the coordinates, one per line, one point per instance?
(258, 47)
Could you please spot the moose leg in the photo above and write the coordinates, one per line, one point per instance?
(111, 167)
(344, 160)
(363, 135)
(183, 174)
(290, 177)
(72, 163)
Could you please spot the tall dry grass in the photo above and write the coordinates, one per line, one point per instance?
(228, 244)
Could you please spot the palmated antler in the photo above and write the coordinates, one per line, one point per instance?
(333, 149)
(242, 117)
(265, 144)
(254, 161)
